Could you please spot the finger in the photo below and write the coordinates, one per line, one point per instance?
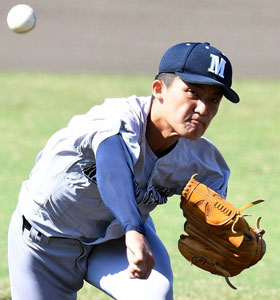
(143, 263)
(142, 272)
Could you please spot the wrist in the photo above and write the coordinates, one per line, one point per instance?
(138, 228)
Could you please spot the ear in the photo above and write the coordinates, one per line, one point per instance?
(157, 89)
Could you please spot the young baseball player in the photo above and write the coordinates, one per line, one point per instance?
(84, 212)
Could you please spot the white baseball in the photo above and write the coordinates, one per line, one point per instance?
(21, 18)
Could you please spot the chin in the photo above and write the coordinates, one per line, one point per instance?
(193, 132)
(193, 135)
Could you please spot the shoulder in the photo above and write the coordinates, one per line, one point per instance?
(201, 147)
(210, 164)
(117, 107)
(133, 102)
(194, 156)
(133, 105)
(131, 112)
(203, 152)
(125, 116)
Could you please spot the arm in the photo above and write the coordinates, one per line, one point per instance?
(115, 180)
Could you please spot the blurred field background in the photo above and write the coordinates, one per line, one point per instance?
(247, 134)
(121, 36)
(83, 51)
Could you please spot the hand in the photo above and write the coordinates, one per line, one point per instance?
(139, 255)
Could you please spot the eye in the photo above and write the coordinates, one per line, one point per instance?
(192, 92)
(216, 100)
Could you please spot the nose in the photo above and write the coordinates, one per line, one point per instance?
(201, 108)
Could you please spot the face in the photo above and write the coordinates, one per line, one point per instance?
(186, 109)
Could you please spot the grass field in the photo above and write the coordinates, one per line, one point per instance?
(33, 106)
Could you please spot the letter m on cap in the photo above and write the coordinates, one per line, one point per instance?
(217, 66)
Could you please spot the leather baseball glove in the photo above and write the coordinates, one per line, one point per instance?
(219, 238)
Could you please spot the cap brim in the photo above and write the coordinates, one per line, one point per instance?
(229, 93)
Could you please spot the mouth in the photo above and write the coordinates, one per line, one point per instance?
(197, 122)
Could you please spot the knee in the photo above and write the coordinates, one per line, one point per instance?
(157, 286)
(160, 288)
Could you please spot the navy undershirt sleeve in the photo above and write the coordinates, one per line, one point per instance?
(115, 181)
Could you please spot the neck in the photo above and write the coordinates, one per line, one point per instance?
(160, 142)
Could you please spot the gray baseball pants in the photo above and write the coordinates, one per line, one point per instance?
(44, 268)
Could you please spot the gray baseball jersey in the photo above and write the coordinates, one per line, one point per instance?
(61, 197)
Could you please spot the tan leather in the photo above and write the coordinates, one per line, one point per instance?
(219, 238)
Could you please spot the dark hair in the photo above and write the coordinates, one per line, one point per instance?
(166, 78)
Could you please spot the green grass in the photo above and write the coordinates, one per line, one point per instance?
(33, 106)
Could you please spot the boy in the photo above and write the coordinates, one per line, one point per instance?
(84, 212)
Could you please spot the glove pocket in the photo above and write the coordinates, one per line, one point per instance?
(201, 255)
(220, 239)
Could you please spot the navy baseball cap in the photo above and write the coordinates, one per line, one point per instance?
(200, 63)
